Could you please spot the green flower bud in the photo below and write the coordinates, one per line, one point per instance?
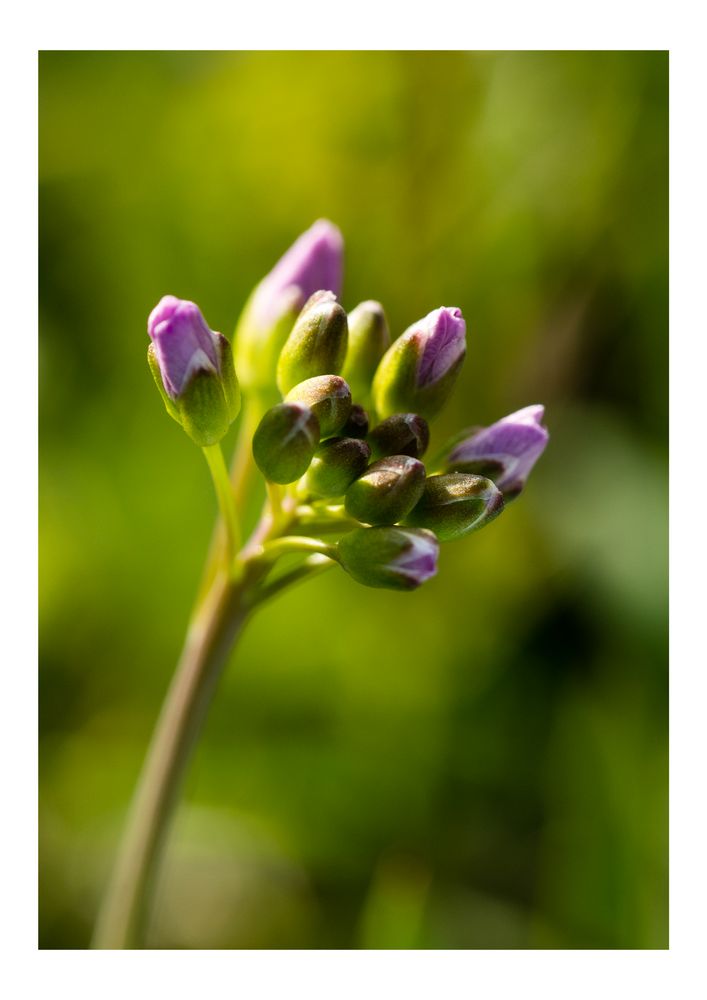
(357, 424)
(369, 339)
(387, 491)
(395, 558)
(317, 344)
(401, 434)
(418, 372)
(336, 463)
(328, 397)
(456, 504)
(285, 441)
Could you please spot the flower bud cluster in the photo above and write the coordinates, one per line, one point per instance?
(351, 432)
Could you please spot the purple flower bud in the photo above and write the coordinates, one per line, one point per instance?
(505, 452)
(193, 369)
(314, 262)
(417, 373)
(183, 343)
(442, 337)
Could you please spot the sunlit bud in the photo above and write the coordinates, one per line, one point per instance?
(357, 424)
(193, 369)
(313, 262)
(369, 339)
(401, 434)
(504, 452)
(285, 441)
(387, 490)
(317, 344)
(391, 557)
(328, 397)
(418, 372)
(455, 504)
(336, 463)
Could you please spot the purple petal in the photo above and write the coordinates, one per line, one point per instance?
(313, 262)
(514, 443)
(419, 560)
(442, 336)
(183, 342)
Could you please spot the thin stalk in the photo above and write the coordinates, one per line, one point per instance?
(243, 466)
(224, 493)
(276, 496)
(242, 477)
(312, 566)
(210, 639)
(295, 543)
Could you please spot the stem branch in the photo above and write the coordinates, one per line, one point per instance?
(224, 493)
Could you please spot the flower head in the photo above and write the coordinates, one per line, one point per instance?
(504, 452)
(418, 372)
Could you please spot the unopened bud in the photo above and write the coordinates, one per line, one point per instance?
(193, 369)
(317, 344)
(336, 463)
(328, 397)
(401, 434)
(313, 262)
(285, 441)
(418, 372)
(390, 557)
(387, 490)
(369, 339)
(505, 452)
(456, 504)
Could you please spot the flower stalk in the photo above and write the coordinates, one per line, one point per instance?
(210, 638)
(224, 495)
(215, 628)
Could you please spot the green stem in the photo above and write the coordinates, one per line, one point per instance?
(216, 625)
(324, 519)
(242, 474)
(222, 484)
(275, 499)
(243, 466)
(210, 639)
(312, 566)
(295, 543)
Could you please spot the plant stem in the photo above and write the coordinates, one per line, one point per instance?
(224, 493)
(275, 499)
(242, 476)
(243, 465)
(312, 566)
(297, 543)
(209, 641)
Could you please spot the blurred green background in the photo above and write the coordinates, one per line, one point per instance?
(480, 764)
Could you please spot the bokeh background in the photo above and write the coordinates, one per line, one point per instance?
(480, 764)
